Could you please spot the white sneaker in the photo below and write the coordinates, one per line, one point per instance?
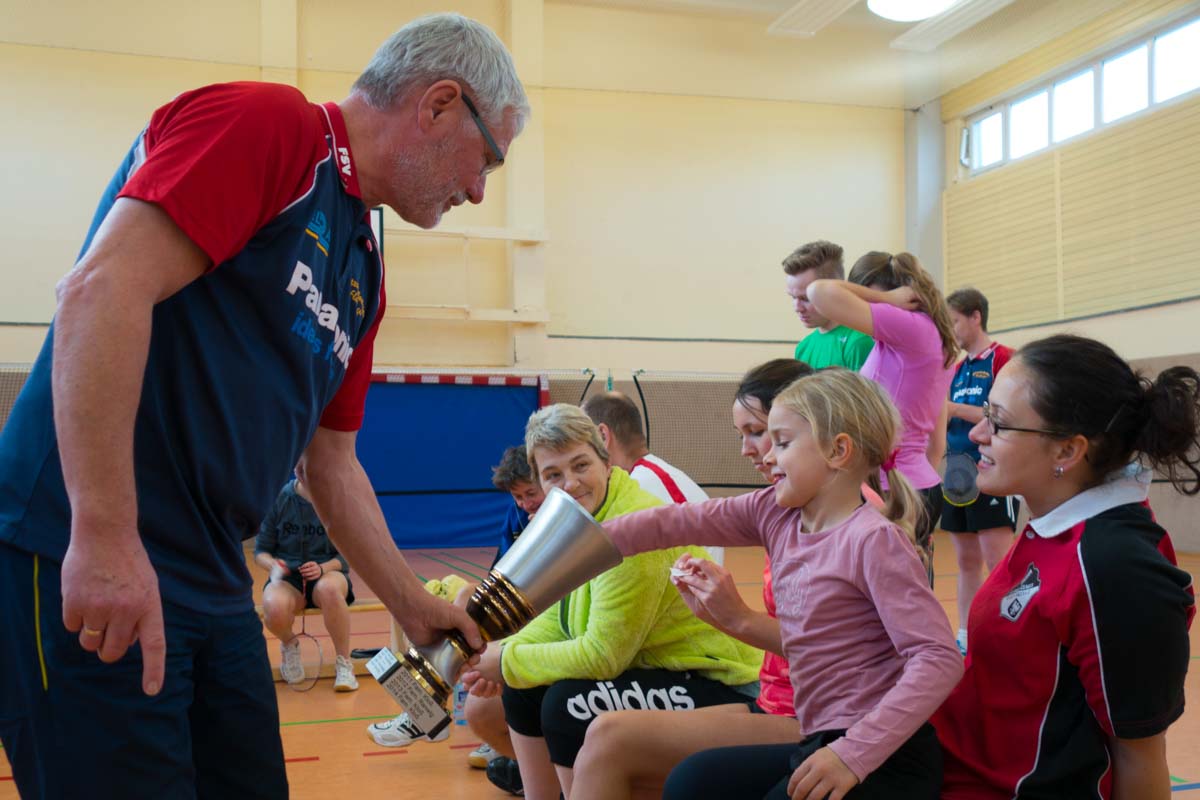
(481, 756)
(290, 668)
(401, 732)
(345, 680)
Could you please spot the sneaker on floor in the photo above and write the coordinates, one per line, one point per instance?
(481, 756)
(345, 680)
(504, 774)
(290, 667)
(401, 732)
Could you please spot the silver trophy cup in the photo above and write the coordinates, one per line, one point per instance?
(561, 549)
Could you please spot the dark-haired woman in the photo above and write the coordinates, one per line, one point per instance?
(1079, 638)
(893, 299)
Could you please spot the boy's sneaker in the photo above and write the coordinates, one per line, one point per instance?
(481, 756)
(504, 774)
(345, 680)
(401, 732)
(290, 667)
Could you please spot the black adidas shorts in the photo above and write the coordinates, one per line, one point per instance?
(985, 513)
(561, 712)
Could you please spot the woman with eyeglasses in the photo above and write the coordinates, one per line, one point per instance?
(1079, 638)
(894, 300)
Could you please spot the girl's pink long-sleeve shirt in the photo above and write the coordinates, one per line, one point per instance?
(869, 647)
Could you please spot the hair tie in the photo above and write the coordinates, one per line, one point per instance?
(889, 463)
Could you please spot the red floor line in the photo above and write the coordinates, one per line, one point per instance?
(465, 746)
(302, 758)
(6, 777)
(396, 752)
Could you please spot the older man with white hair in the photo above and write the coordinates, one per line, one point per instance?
(217, 329)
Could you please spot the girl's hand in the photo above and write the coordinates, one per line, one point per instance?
(709, 591)
(904, 297)
(822, 775)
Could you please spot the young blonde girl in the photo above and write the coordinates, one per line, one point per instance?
(869, 648)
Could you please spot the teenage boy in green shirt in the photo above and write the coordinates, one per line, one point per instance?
(829, 345)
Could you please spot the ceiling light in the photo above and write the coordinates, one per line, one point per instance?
(908, 10)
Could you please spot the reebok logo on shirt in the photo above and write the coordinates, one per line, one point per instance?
(605, 697)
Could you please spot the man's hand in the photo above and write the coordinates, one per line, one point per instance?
(310, 571)
(822, 775)
(110, 595)
(427, 618)
(279, 570)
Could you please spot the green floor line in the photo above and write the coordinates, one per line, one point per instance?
(465, 561)
(342, 719)
(453, 566)
(1178, 780)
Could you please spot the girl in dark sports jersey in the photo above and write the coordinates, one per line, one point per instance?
(1079, 638)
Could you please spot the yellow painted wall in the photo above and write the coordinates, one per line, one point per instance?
(678, 167)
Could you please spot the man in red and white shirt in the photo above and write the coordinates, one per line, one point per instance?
(620, 424)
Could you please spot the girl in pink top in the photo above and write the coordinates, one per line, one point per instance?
(891, 298)
(625, 750)
(869, 648)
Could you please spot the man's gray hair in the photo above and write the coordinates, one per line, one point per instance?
(446, 46)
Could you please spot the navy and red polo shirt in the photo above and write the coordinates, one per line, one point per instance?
(973, 379)
(1079, 635)
(244, 362)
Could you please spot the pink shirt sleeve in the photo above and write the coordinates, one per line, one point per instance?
(905, 331)
(732, 521)
(917, 625)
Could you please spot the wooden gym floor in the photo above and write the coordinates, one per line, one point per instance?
(329, 753)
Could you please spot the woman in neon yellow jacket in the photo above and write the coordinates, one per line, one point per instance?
(624, 640)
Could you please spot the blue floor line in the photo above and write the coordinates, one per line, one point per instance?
(1185, 787)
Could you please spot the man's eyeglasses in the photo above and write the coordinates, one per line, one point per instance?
(996, 427)
(497, 157)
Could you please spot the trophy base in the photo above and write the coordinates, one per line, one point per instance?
(416, 686)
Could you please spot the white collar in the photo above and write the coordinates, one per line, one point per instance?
(1128, 485)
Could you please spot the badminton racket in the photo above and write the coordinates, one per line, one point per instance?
(311, 656)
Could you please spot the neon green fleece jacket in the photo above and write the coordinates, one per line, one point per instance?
(630, 617)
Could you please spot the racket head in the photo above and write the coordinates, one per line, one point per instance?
(311, 658)
(959, 486)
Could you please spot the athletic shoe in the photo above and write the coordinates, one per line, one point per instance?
(290, 667)
(401, 732)
(961, 641)
(345, 680)
(504, 774)
(481, 756)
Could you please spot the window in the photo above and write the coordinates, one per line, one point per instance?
(987, 141)
(1029, 125)
(1125, 84)
(1075, 105)
(1153, 70)
(1177, 62)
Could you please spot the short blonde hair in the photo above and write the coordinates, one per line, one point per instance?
(835, 401)
(559, 426)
